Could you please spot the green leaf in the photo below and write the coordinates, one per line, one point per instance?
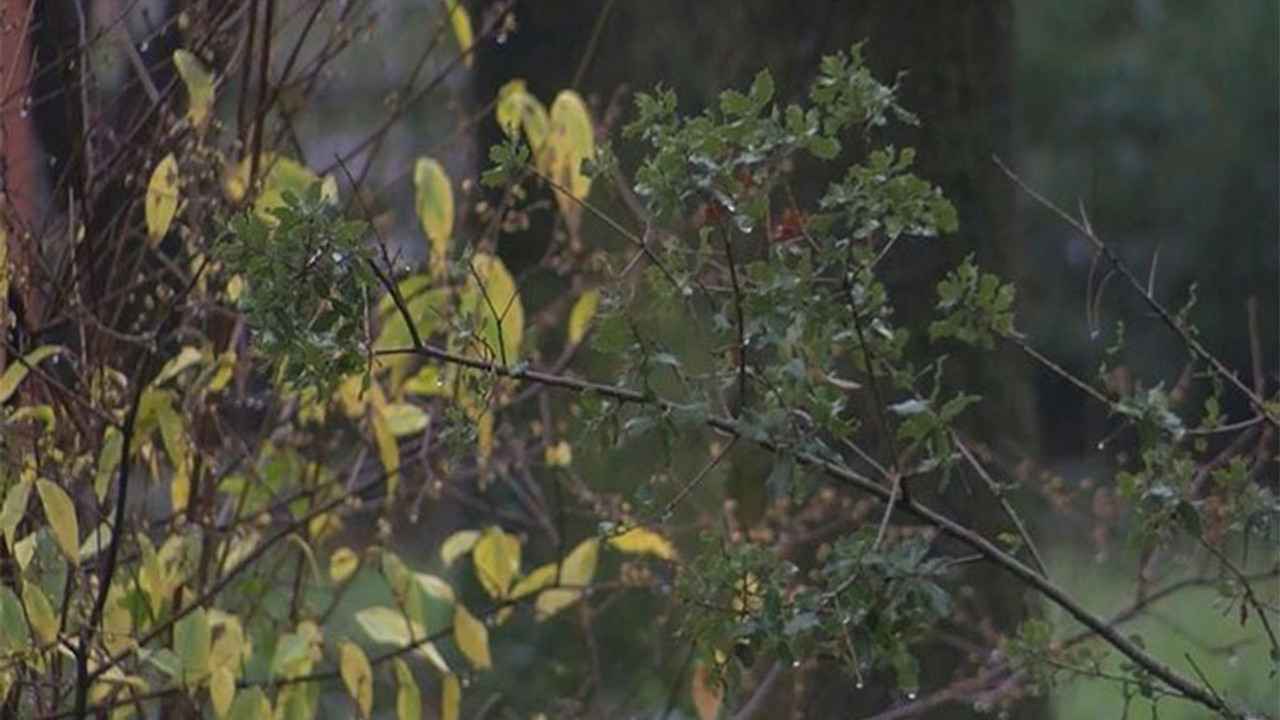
(13, 623)
(44, 621)
(250, 705)
(192, 638)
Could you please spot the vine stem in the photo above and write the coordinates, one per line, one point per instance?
(1081, 225)
(850, 478)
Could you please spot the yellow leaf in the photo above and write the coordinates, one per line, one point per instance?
(472, 638)
(388, 450)
(408, 696)
(222, 690)
(229, 648)
(579, 566)
(517, 109)
(357, 675)
(61, 514)
(162, 198)
(96, 541)
(226, 367)
(576, 573)
(642, 541)
(558, 455)
(199, 83)
(342, 564)
(16, 372)
(178, 447)
(707, 692)
(571, 141)
(14, 509)
(108, 461)
(185, 358)
(496, 556)
(405, 419)
(552, 601)
(583, 311)
(40, 614)
(460, 20)
(541, 577)
(276, 176)
(433, 200)
(450, 697)
(457, 545)
(493, 300)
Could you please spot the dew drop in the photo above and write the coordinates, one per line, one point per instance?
(859, 685)
(795, 663)
(502, 38)
(911, 696)
(144, 46)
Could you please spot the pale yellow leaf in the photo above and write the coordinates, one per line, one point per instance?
(343, 564)
(404, 419)
(642, 541)
(162, 198)
(390, 627)
(408, 695)
(472, 637)
(433, 201)
(496, 557)
(707, 692)
(222, 690)
(61, 514)
(357, 675)
(460, 21)
(583, 311)
(450, 697)
(199, 83)
(457, 545)
(434, 587)
(18, 369)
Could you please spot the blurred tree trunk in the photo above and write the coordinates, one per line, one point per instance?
(956, 60)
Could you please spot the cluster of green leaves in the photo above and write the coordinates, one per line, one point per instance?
(865, 602)
(307, 287)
